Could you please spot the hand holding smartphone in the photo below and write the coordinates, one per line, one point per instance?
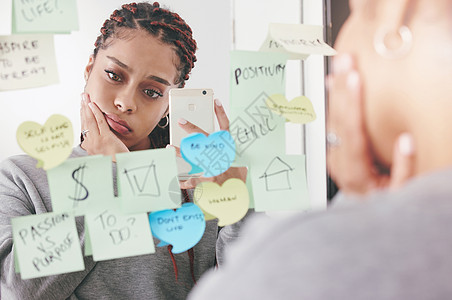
(195, 106)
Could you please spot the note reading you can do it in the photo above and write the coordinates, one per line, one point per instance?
(47, 244)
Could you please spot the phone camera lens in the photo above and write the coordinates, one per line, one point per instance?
(204, 92)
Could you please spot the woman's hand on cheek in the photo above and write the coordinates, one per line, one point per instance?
(349, 158)
(99, 139)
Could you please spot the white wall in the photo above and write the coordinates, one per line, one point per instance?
(211, 24)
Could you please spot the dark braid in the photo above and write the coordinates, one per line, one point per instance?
(163, 24)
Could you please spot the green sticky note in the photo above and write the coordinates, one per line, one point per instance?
(114, 234)
(81, 184)
(88, 246)
(148, 180)
(255, 76)
(50, 144)
(27, 61)
(47, 244)
(57, 16)
(279, 182)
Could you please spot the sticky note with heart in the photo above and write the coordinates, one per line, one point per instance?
(229, 202)
(182, 228)
(212, 155)
(298, 110)
(51, 143)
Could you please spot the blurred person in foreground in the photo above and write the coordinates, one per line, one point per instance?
(389, 150)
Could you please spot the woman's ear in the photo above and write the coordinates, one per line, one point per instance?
(89, 67)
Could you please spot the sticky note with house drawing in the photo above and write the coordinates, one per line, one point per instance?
(147, 180)
(279, 183)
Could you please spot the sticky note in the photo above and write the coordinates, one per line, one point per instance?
(81, 184)
(279, 182)
(114, 235)
(298, 110)
(50, 144)
(253, 126)
(44, 16)
(27, 61)
(212, 155)
(228, 202)
(297, 40)
(88, 247)
(182, 228)
(47, 244)
(148, 180)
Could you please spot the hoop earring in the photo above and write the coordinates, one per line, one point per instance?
(382, 49)
(166, 124)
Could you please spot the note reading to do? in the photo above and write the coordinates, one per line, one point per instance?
(212, 155)
(182, 228)
(114, 235)
(298, 110)
(229, 202)
(47, 244)
(58, 16)
(50, 144)
(27, 61)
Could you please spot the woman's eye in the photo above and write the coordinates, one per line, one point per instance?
(113, 76)
(153, 93)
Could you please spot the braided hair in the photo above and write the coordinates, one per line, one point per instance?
(166, 26)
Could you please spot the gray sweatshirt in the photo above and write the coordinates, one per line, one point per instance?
(394, 245)
(24, 190)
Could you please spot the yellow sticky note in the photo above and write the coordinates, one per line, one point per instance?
(47, 244)
(50, 144)
(298, 110)
(27, 61)
(229, 202)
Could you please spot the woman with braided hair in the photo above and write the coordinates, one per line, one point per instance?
(142, 52)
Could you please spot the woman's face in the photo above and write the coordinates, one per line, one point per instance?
(129, 81)
(356, 38)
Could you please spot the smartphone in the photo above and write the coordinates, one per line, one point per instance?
(195, 106)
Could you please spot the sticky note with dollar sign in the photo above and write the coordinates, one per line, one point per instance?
(51, 143)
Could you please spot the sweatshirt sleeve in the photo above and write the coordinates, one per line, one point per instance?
(229, 234)
(24, 191)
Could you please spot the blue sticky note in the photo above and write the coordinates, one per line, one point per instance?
(212, 155)
(182, 228)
